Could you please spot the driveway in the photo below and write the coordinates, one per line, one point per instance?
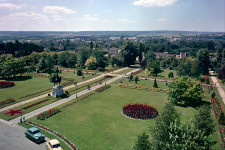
(12, 138)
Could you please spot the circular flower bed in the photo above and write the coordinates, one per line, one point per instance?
(6, 84)
(140, 111)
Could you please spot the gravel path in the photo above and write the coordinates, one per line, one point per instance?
(219, 88)
(52, 105)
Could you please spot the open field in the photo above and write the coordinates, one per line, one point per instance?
(97, 122)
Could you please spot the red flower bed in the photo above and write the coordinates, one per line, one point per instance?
(140, 111)
(6, 84)
(216, 107)
(47, 114)
(35, 104)
(9, 100)
(221, 130)
(138, 71)
(13, 112)
(114, 68)
(102, 88)
(57, 134)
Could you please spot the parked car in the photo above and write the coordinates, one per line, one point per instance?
(53, 145)
(35, 135)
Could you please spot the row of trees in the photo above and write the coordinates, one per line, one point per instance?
(18, 49)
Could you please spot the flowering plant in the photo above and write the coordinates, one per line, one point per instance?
(47, 114)
(9, 100)
(35, 104)
(140, 111)
(6, 84)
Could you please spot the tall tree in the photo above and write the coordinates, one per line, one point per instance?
(204, 62)
(128, 53)
(185, 91)
(142, 142)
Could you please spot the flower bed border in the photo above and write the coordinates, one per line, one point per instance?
(6, 84)
(127, 113)
(47, 114)
(36, 103)
(102, 88)
(123, 85)
(67, 142)
(7, 101)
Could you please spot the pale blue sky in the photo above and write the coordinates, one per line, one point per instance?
(109, 15)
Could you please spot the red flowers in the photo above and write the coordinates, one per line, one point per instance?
(57, 134)
(47, 114)
(102, 88)
(216, 107)
(13, 112)
(9, 100)
(140, 111)
(221, 130)
(6, 84)
(35, 104)
(138, 71)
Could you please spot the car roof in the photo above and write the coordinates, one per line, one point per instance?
(32, 129)
(54, 142)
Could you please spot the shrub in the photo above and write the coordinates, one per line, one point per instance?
(213, 94)
(221, 119)
(6, 84)
(170, 75)
(79, 72)
(100, 69)
(136, 79)
(155, 84)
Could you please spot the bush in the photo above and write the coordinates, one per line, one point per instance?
(155, 84)
(170, 75)
(79, 72)
(49, 94)
(213, 95)
(221, 119)
(100, 69)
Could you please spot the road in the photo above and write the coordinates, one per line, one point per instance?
(13, 138)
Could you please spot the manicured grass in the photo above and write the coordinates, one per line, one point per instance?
(163, 74)
(51, 100)
(146, 83)
(97, 122)
(25, 87)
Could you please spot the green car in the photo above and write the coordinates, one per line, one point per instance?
(35, 135)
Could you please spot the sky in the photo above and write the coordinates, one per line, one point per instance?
(112, 15)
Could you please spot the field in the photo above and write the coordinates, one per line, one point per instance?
(97, 122)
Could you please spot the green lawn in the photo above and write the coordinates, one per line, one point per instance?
(26, 87)
(147, 83)
(163, 74)
(97, 122)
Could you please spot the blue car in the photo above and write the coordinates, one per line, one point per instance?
(35, 135)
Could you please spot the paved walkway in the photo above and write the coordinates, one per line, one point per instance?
(44, 95)
(52, 105)
(219, 88)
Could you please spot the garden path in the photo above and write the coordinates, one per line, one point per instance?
(44, 95)
(52, 105)
(219, 88)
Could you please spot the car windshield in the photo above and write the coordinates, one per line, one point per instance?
(56, 145)
(36, 131)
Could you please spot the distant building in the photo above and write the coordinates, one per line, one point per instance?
(114, 51)
(161, 54)
(60, 48)
(182, 55)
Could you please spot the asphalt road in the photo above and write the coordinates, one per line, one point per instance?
(13, 138)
